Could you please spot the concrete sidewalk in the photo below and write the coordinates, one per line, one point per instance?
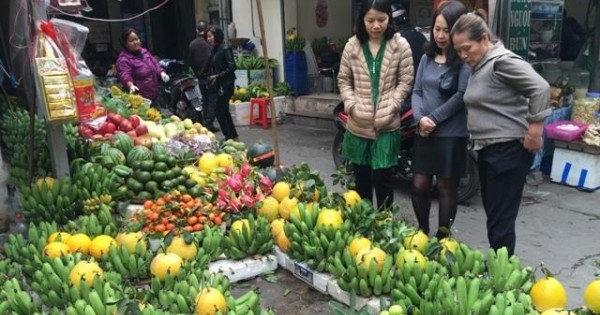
(557, 225)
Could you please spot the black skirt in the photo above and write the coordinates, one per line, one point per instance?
(445, 157)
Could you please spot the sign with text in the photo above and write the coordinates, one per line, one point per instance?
(519, 22)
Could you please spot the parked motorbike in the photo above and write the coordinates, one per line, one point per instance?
(468, 186)
(181, 95)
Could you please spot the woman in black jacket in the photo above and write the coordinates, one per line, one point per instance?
(221, 81)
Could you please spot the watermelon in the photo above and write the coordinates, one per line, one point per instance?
(117, 157)
(159, 149)
(139, 153)
(123, 142)
(261, 155)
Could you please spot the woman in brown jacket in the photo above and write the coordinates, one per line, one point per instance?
(375, 77)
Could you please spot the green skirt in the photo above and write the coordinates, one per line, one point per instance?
(379, 153)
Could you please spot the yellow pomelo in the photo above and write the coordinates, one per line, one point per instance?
(357, 244)
(269, 208)
(283, 242)
(85, 271)
(416, 240)
(281, 190)
(366, 255)
(79, 243)
(591, 296)
(277, 227)
(286, 206)
(329, 219)
(165, 264)
(224, 160)
(351, 197)
(100, 245)
(547, 293)
(130, 240)
(210, 301)
(58, 237)
(207, 162)
(56, 249)
(410, 256)
(182, 249)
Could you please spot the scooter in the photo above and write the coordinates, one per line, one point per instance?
(181, 95)
(402, 173)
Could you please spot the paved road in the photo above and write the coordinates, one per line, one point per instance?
(557, 225)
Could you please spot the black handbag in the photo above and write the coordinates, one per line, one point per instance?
(448, 83)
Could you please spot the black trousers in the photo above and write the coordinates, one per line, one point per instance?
(502, 171)
(208, 106)
(222, 112)
(366, 179)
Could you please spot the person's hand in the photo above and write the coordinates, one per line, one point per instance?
(133, 89)
(164, 77)
(533, 139)
(532, 142)
(426, 126)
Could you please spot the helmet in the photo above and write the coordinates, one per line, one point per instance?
(399, 15)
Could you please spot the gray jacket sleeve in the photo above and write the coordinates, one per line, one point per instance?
(417, 93)
(454, 103)
(519, 75)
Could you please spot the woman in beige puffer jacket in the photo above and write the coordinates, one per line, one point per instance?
(375, 78)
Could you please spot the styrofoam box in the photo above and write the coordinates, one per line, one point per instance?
(315, 279)
(283, 260)
(343, 296)
(374, 304)
(240, 113)
(575, 168)
(132, 209)
(237, 270)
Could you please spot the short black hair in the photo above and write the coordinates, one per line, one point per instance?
(451, 11)
(379, 5)
(201, 26)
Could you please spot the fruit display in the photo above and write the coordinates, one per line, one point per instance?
(248, 237)
(50, 199)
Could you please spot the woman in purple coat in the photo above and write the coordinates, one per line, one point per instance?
(137, 69)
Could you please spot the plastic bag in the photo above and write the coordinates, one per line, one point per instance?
(54, 78)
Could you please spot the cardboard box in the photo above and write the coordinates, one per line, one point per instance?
(576, 165)
(248, 77)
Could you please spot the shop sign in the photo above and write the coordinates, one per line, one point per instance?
(518, 27)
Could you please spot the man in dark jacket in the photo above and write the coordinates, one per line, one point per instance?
(199, 59)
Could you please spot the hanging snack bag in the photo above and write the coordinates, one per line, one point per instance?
(57, 86)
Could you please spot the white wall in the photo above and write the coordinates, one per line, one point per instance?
(339, 24)
(273, 21)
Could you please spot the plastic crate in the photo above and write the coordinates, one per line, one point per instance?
(553, 130)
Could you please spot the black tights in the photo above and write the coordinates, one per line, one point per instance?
(447, 198)
(367, 178)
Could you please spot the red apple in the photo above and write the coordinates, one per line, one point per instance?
(141, 130)
(115, 118)
(85, 131)
(135, 120)
(125, 125)
(110, 127)
(132, 134)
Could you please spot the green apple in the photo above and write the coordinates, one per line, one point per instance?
(188, 123)
(396, 310)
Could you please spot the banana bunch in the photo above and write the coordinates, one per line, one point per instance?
(100, 299)
(252, 239)
(413, 284)
(466, 262)
(93, 180)
(93, 204)
(175, 303)
(27, 255)
(153, 114)
(14, 300)
(51, 281)
(210, 240)
(513, 302)
(364, 281)
(9, 268)
(248, 303)
(95, 224)
(316, 247)
(131, 266)
(506, 274)
(47, 201)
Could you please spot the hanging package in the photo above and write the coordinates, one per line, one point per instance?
(52, 71)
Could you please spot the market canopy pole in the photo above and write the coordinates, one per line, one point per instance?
(595, 79)
(268, 79)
